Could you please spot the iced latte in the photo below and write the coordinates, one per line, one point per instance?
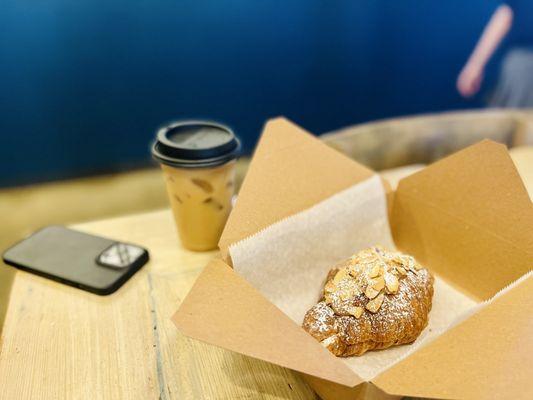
(198, 161)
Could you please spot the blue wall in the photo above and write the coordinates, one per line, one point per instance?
(85, 83)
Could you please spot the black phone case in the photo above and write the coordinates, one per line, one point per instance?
(69, 257)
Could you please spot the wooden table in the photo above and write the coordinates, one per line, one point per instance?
(63, 343)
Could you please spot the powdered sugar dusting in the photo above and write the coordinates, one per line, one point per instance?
(397, 317)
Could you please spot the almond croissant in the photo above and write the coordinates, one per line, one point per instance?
(374, 300)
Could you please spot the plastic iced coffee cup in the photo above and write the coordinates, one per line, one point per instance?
(198, 162)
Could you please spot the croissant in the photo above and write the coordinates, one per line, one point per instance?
(373, 300)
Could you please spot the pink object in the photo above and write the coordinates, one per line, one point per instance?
(471, 76)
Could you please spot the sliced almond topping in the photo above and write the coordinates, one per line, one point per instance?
(343, 273)
(370, 292)
(374, 271)
(328, 298)
(356, 311)
(408, 263)
(329, 287)
(391, 282)
(397, 259)
(329, 341)
(346, 294)
(401, 271)
(374, 305)
(351, 286)
(354, 270)
(413, 265)
(378, 283)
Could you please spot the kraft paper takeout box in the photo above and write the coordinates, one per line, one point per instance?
(468, 218)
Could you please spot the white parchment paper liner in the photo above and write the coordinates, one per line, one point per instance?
(289, 260)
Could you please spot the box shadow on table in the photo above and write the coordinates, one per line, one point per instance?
(268, 379)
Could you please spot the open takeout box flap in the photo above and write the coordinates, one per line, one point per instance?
(291, 170)
(469, 218)
(486, 356)
(225, 310)
(442, 225)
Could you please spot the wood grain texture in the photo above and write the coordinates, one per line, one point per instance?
(63, 343)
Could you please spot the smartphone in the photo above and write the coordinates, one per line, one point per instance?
(92, 263)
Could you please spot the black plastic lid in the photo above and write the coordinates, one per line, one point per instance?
(195, 144)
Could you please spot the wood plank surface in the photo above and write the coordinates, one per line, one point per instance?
(63, 343)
